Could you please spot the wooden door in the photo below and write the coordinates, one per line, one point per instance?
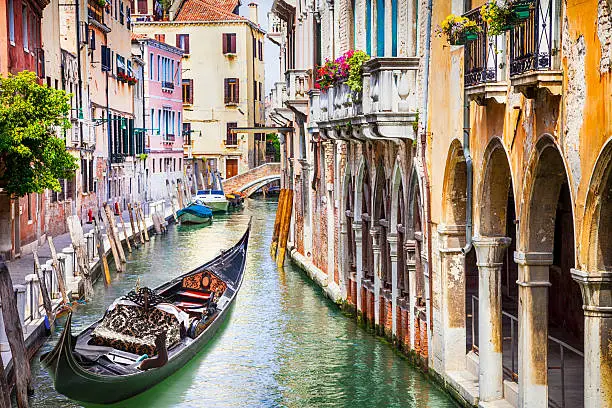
(231, 168)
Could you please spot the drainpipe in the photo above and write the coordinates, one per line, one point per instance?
(469, 174)
(424, 147)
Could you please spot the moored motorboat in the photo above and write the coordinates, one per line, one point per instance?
(215, 199)
(195, 213)
(109, 361)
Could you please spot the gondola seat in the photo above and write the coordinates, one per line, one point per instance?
(202, 283)
(129, 328)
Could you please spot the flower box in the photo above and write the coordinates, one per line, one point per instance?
(521, 10)
(458, 30)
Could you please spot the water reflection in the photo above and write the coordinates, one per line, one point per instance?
(283, 343)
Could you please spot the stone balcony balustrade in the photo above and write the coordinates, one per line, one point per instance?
(387, 107)
(298, 84)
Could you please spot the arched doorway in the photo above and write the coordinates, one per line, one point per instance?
(382, 260)
(350, 250)
(550, 307)
(495, 314)
(595, 280)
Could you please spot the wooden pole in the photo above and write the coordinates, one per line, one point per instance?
(58, 272)
(78, 243)
(125, 234)
(5, 395)
(43, 289)
(140, 213)
(14, 334)
(282, 210)
(113, 231)
(101, 251)
(111, 239)
(284, 233)
(134, 232)
(279, 208)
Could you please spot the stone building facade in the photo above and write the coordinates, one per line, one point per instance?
(459, 203)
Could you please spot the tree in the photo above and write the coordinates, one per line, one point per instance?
(32, 159)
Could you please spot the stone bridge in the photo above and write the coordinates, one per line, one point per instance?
(253, 179)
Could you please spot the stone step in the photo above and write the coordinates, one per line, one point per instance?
(500, 403)
(466, 385)
(511, 392)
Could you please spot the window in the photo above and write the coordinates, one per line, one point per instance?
(152, 120)
(229, 43)
(260, 50)
(92, 40)
(231, 139)
(187, 132)
(129, 68)
(128, 19)
(232, 95)
(158, 66)
(120, 64)
(121, 13)
(105, 57)
(188, 91)
(11, 21)
(142, 7)
(261, 91)
(178, 122)
(182, 42)
(151, 60)
(160, 37)
(255, 90)
(24, 26)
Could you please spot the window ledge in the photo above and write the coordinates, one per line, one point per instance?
(233, 104)
(230, 54)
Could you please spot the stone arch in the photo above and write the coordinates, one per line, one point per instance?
(347, 217)
(380, 211)
(455, 182)
(544, 178)
(361, 170)
(397, 184)
(495, 187)
(597, 221)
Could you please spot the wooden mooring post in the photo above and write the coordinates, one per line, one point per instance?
(78, 243)
(59, 274)
(140, 214)
(279, 210)
(284, 229)
(111, 240)
(125, 234)
(134, 231)
(44, 290)
(114, 231)
(14, 334)
(101, 251)
(5, 395)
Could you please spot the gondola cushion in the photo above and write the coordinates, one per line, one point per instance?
(205, 282)
(130, 328)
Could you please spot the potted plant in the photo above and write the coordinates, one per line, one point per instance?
(521, 9)
(503, 15)
(346, 68)
(458, 30)
(355, 60)
(100, 3)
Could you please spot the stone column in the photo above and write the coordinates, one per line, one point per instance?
(410, 249)
(392, 240)
(490, 253)
(533, 283)
(452, 275)
(357, 228)
(375, 233)
(597, 297)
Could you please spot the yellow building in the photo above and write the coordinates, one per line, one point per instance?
(223, 79)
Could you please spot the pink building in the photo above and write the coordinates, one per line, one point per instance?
(163, 118)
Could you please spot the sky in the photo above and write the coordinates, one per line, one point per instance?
(271, 51)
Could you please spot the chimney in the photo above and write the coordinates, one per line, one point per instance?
(253, 12)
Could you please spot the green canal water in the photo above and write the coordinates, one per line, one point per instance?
(283, 344)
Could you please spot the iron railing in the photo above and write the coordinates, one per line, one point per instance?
(167, 85)
(511, 371)
(531, 41)
(481, 54)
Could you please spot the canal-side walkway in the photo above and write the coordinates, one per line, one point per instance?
(31, 313)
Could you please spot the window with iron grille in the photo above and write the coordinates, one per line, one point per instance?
(231, 139)
(232, 91)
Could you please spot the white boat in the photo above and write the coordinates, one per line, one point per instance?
(214, 197)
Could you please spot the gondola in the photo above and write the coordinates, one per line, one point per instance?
(109, 361)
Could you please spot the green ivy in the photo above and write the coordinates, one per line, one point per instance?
(355, 76)
(32, 157)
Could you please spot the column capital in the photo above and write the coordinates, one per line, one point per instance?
(596, 292)
(392, 240)
(490, 251)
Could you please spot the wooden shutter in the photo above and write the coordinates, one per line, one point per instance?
(233, 43)
(186, 43)
(237, 91)
(226, 90)
(142, 7)
(225, 50)
(191, 91)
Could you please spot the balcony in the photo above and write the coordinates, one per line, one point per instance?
(484, 73)
(95, 14)
(117, 158)
(167, 86)
(275, 28)
(298, 84)
(168, 140)
(534, 54)
(386, 107)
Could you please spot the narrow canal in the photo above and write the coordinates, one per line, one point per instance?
(283, 344)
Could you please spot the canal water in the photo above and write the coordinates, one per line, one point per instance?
(284, 344)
